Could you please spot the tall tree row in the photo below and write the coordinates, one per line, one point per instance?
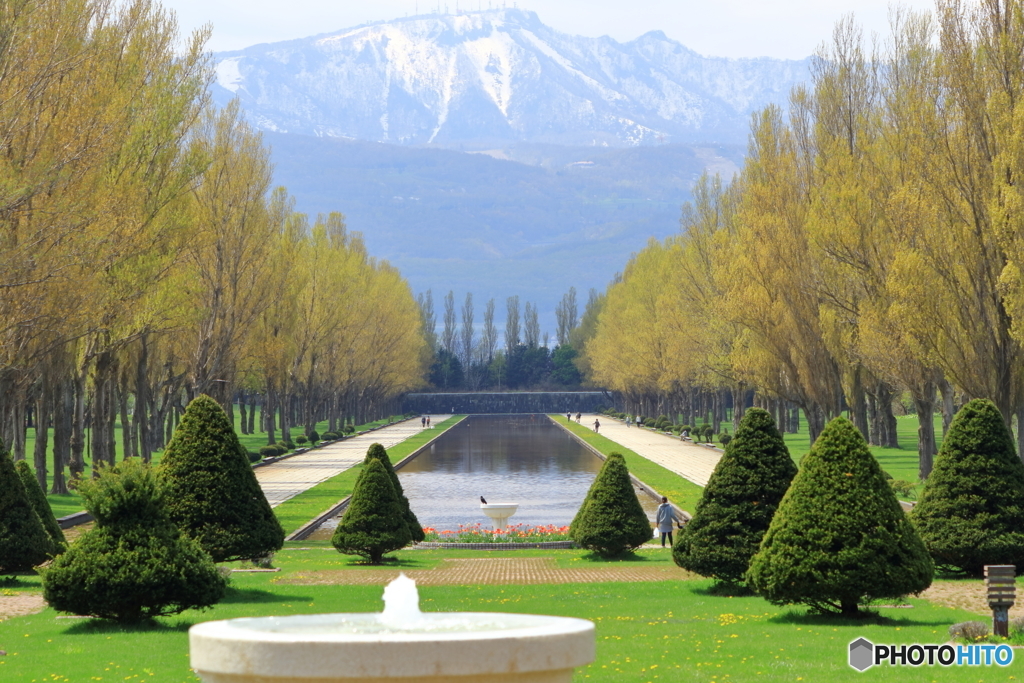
(146, 259)
(871, 246)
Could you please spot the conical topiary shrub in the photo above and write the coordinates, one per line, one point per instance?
(839, 537)
(212, 492)
(374, 522)
(611, 520)
(971, 511)
(739, 501)
(377, 452)
(23, 540)
(37, 499)
(134, 564)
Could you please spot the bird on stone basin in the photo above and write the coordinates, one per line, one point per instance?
(483, 500)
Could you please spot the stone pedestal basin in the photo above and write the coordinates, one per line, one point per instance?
(499, 512)
(401, 644)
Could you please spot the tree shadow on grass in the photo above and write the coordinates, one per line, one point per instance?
(867, 617)
(95, 625)
(235, 596)
(20, 580)
(724, 589)
(621, 557)
(391, 563)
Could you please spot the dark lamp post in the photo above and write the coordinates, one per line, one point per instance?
(1000, 581)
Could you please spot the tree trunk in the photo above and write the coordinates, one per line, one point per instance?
(857, 404)
(924, 402)
(1020, 432)
(253, 400)
(244, 423)
(43, 405)
(887, 420)
(948, 410)
(77, 464)
(127, 433)
(849, 607)
(269, 415)
(63, 421)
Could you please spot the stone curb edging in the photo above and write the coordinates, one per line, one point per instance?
(544, 545)
(303, 532)
(74, 519)
(649, 490)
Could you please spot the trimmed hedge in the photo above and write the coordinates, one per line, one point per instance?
(213, 495)
(37, 499)
(374, 522)
(971, 511)
(23, 539)
(739, 501)
(611, 520)
(377, 452)
(839, 537)
(134, 564)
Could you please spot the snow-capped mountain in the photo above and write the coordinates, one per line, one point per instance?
(477, 79)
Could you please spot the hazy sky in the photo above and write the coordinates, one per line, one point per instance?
(726, 28)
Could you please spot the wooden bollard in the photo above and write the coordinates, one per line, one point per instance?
(1000, 580)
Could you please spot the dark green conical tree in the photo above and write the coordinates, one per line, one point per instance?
(839, 537)
(971, 511)
(378, 452)
(23, 540)
(739, 501)
(37, 499)
(134, 564)
(212, 492)
(611, 520)
(374, 522)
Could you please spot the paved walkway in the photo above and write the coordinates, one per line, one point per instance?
(695, 463)
(291, 476)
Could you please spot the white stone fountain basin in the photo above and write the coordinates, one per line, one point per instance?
(461, 647)
(499, 512)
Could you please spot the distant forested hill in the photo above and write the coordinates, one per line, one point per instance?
(534, 224)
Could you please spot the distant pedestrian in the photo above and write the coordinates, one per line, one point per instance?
(597, 425)
(428, 422)
(568, 417)
(578, 416)
(666, 515)
(423, 422)
(627, 421)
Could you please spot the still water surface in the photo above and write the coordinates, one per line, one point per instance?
(522, 459)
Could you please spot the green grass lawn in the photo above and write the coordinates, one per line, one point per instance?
(655, 632)
(678, 489)
(900, 462)
(70, 503)
(297, 511)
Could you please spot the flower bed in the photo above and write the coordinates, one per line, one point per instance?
(514, 533)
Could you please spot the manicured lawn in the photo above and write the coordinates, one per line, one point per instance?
(679, 490)
(297, 511)
(667, 631)
(900, 462)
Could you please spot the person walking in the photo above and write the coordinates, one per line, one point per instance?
(428, 422)
(597, 425)
(627, 421)
(666, 515)
(568, 416)
(423, 422)
(578, 416)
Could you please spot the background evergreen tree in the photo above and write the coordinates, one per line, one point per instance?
(212, 492)
(839, 537)
(23, 540)
(739, 501)
(378, 452)
(971, 511)
(611, 520)
(134, 564)
(37, 499)
(374, 522)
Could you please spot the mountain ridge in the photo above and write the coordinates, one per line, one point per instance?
(495, 77)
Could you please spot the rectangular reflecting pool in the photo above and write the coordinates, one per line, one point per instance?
(522, 459)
